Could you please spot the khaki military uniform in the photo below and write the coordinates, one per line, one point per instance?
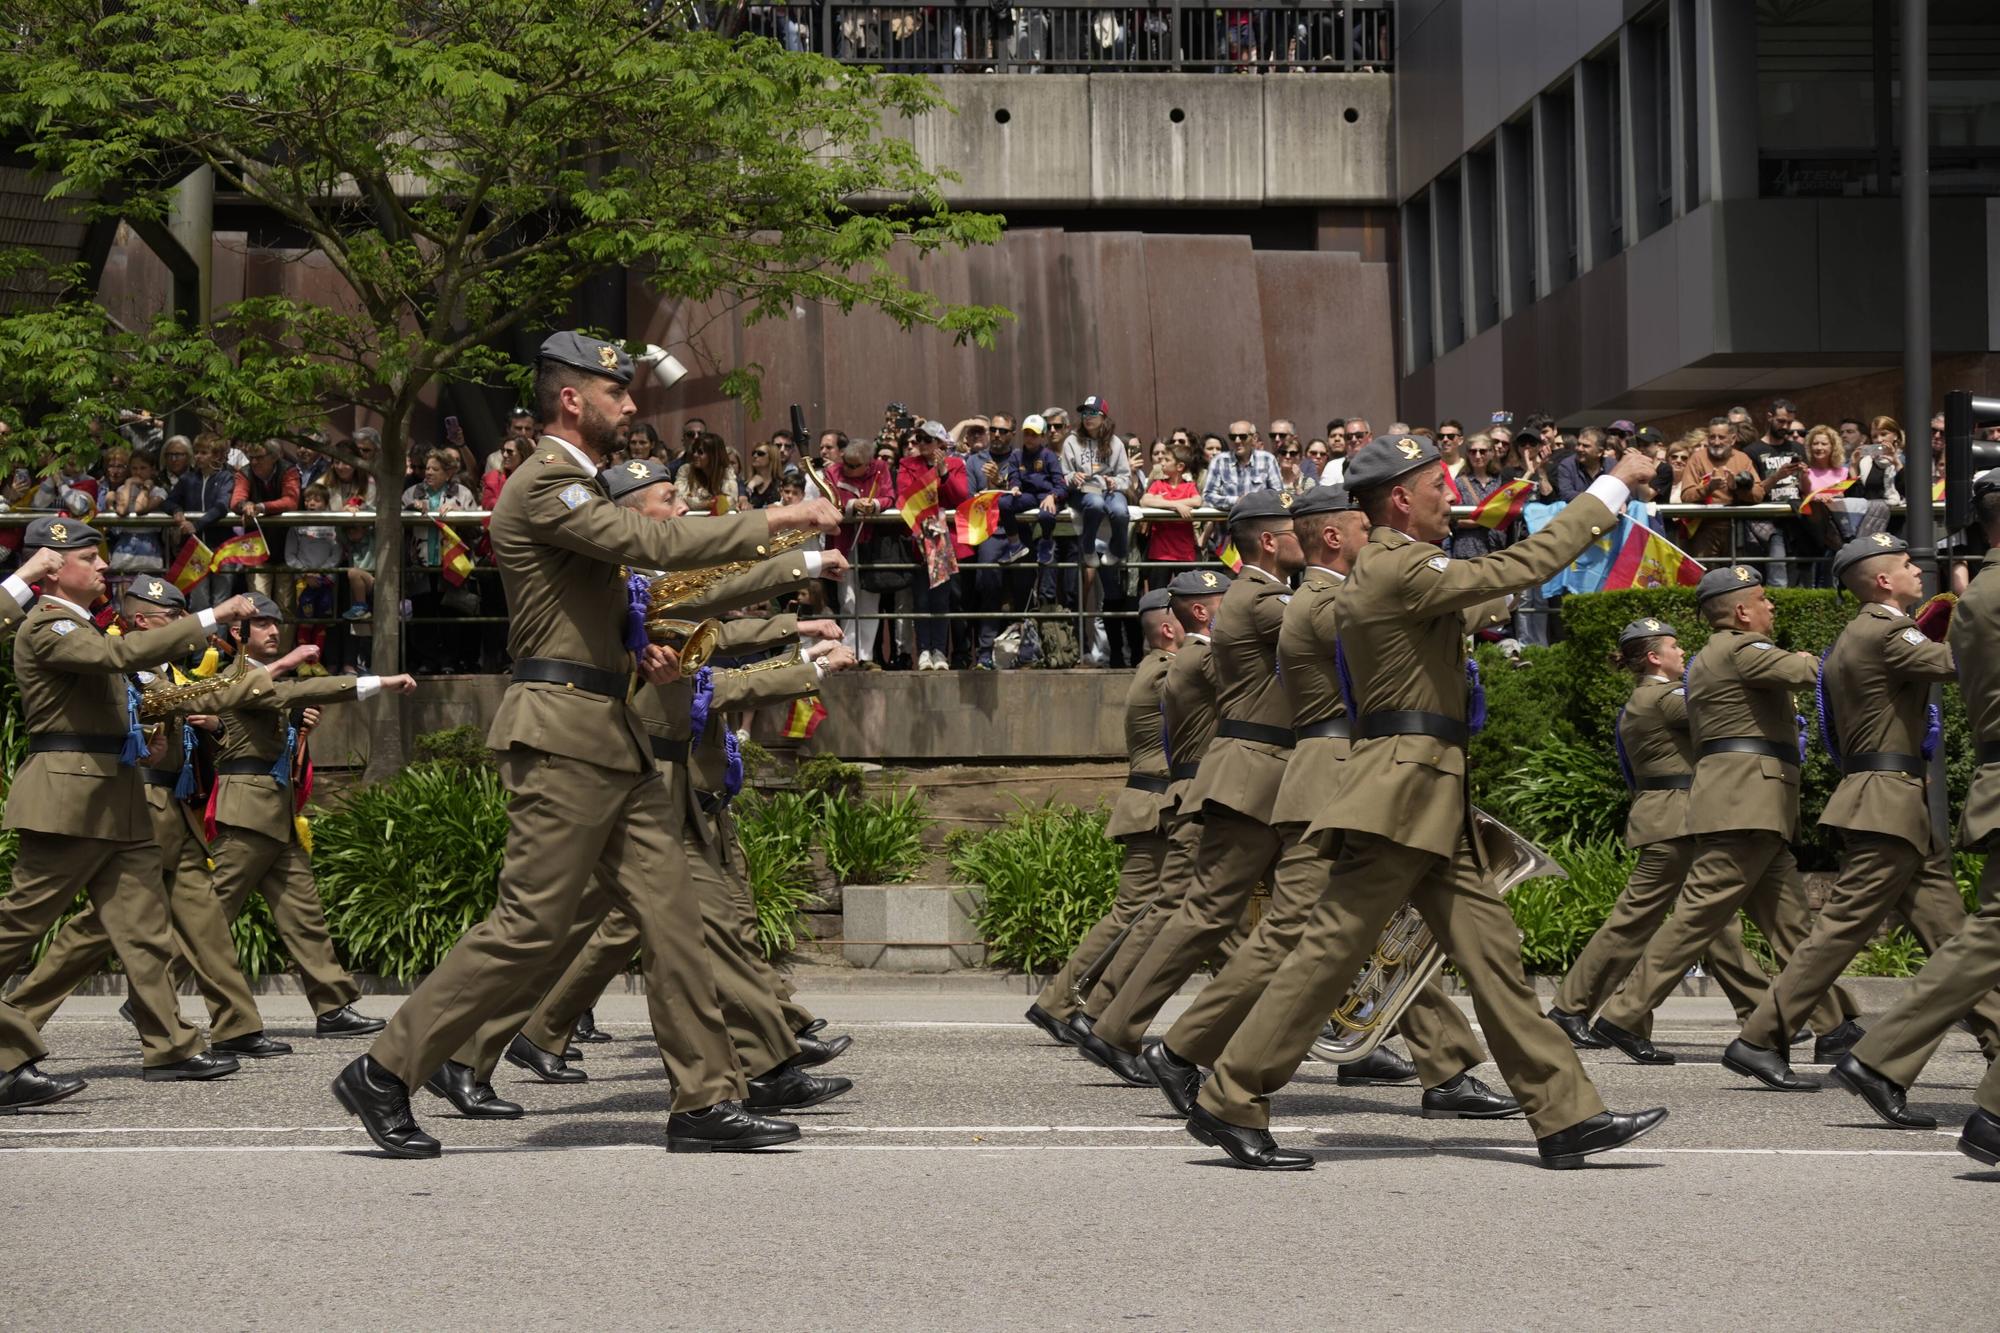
(588, 798)
(13, 607)
(1743, 812)
(83, 820)
(1403, 821)
(1961, 975)
(200, 926)
(1138, 820)
(1653, 729)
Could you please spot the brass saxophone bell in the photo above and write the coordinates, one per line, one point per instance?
(694, 640)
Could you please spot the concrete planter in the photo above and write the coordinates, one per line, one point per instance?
(911, 927)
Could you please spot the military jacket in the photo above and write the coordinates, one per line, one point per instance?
(11, 615)
(562, 548)
(1975, 642)
(233, 689)
(1187, 715)
(255, 729)
(1878, 680)
(1653, 728)
(778, 680)
(1312, 687)
(1403, 614)
(1741, 685)
(1243, 775)
(1137, 810)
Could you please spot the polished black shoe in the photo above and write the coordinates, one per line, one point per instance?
(1173, 1076)
(1565, 1149)
(28, 1086)
(1770, 1068)
(1380, 1068)
(790, 1088)
(548, 1068)
(125, 1012)
(256, 1046)
(1080, 1026)
(1466, 1098)
(813, 1051)
(586, 1028)
(1577, 1028)
(1252, 1148)
(810, 1028)
(1828, 1049)
(1635, 1046)
(1980, 1139)
(1883, 1096)
(726, 1127)
(457, 1084)
(1058, 1030)
(200, 1065)
(381, 1101)
(570, 1052)
(345, 1022)
(1122, 1063)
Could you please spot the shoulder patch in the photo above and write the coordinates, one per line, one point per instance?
(1681, 690)
(1759, 643)
(1915, 636)
(1439, 562)
(1285, 597)
(60, 627)
(574, 495)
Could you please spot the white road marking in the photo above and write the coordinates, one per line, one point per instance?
(1154, 1128)
(1447, 1150)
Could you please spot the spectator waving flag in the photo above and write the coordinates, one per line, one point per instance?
(805, 717)
(453, 558)
(1502, 507)
(1825, 494)
(243, 550)
(979, 517)
(1645, 559)
(192, 565)
(922, 503)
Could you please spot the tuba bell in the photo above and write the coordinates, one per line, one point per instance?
(695, 640)
(1406, 957)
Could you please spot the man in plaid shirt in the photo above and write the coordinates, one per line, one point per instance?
(1245, 468)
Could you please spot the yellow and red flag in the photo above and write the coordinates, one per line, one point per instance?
(192, 565)
(243, 550)
(922, 503)
(979, 518)
(806, 715)
(1228, 555)
(455, 561)
(1937, 490)
(1825, 493)
(1502, 507)
(1648, 560)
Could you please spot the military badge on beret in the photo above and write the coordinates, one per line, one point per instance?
(607, 356)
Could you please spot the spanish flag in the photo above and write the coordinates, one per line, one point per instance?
(1826, 493)
(1502, 507)
(453, 558)
(806, 715)
(192, 565)
(1228, 555)
(979, 518)
(1937, 491)
(921, 504)
(1647, 560)
(242, 550)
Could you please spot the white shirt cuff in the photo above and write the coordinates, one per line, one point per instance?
(206, 617)
(367, 687)
(1612, 491)
(813, 561)
(818, 666)
(18, 590)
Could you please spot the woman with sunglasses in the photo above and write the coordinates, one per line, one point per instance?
(1295, 477)
(1479, 478)
(760, 485)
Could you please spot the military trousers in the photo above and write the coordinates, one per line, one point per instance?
(1371, 879)
(1176, 878)
(1138, 888)
(247, 861)
(569, 821)
(1960, 977)
(200, 936)
(1236, 854)
(718, 837)
(124, 885)
(1748, 869)
(1441, 1042)
(1880, 875)
(1615, 949)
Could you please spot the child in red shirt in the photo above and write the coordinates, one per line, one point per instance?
(1172, 542)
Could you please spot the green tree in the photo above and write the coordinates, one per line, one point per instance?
(465, 167)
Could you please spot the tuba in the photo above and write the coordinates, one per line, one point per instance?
(1406, 957)
(695, 640)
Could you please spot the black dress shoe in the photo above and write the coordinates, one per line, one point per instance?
(570, 1052)
(345, 1022)
(1122, 1063)
(1770, 1068)
(1980, 1139)
(813, 1051)
(29, 1086)
(1828, 1049)
(1466, 1098)
(548, 1068)
(256, 1046)
(1049, 1023)
(457, 1084)
(1252, 1148)
(1173, 1076)
(125, 1012)
(1577, 1028)
(1380, 1068)
(1882, 1095)
(379, 1098)
(810, 1028)
(1080, 1026)
(726, 1127)
(1565, 1149)
(790, 1088)
(586, 1028)
(1635, 1046)
(200, 1065)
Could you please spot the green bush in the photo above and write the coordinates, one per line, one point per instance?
(1564, 790)
(463, 747)
(777, 831)
(1557, 917)
(878, 840)
(827, 775)
(1049, 873)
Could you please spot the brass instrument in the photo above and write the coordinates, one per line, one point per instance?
(695, 640)
(1406, 957)
(162, 702)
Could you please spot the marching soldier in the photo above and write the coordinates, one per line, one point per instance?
(80, 809)
(587, 797)
(1656, 756)
(1873, 691)
(1402, 816)
(1743, 812)
(1331, 532)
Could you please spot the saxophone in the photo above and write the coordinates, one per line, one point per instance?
(696, 639)
(161, 702)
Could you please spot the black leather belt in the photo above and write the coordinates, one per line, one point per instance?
(73, 742)
(1149, 782)
(245, 768)
(554, 671)
(160, 777)
(1678, 782)
(1410, 722)
(1882, 762)
(1255, 731)
(1787, 754)
(1333, 726)
(1182, 772)
(1989, 752)
(669, 750)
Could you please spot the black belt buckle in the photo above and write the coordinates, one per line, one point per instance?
(1149, 782)
(1336, 727)
(74, 742)
(575, 675)
(1255, 731)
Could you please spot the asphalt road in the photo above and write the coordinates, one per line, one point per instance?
(977, 1177)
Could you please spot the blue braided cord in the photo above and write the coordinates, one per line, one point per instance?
(1624, 760)
(732, 770)
(135, 735)
(704, 695)
(1346, 680)
(1475, 710)
(1933, 729)
(636, 586)
(1828, 735)
(184, 784)
(282, 770)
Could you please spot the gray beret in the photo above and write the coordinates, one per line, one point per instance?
(625, 478)
(1262, 504)
(1728, 578)
(263, 608)
(587, 353)
(1644, 628)
(1156, 599)
(1865, 548)
(160, 592)
(1199, 583)
(59, 532)
(1323, 500)
(1385, 458)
